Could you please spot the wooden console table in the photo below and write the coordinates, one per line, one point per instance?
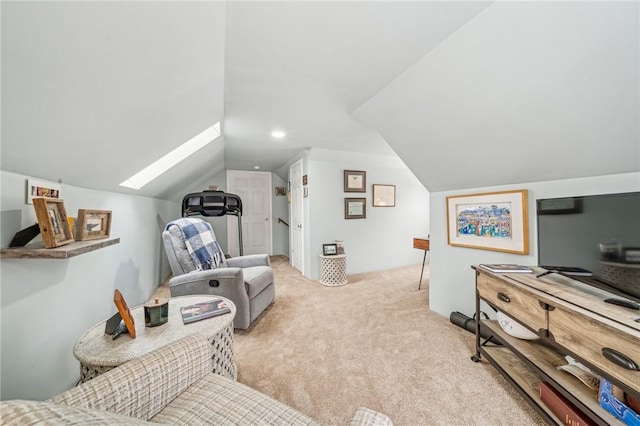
(422, 244)
(570, 319)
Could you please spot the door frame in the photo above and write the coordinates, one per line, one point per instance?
(296, 191)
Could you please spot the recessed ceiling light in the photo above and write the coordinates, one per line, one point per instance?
(256, 167)
(155, 169)
(279, 134)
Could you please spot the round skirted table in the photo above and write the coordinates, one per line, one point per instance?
(99, 353)
(333, 270)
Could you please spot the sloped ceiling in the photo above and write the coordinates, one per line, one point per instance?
(526, 91)
(466, 93)
(92, 92)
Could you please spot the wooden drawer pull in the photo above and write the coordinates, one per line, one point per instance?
(503, 297)
(619, 359)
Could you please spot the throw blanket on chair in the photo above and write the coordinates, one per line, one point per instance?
(198, 237)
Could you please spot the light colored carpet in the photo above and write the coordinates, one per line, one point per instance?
(374, 343)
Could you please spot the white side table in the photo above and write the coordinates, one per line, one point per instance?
(99, 353)
(333, 270)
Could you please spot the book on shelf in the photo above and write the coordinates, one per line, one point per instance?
(506, 268)
(204, 310)
(562, 408)
(568, 270)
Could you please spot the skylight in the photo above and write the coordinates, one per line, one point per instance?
(155, 169)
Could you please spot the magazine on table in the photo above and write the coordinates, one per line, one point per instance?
(204, 310)
(506, 268)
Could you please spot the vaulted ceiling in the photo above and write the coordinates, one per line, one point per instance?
(466, 93)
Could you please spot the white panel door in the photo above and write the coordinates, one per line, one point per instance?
(254, 189)
(295, 231)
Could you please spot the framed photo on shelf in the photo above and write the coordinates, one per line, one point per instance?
(384, 195)
(281, 191)
(329, 249)
(52, 221)
(355, 208)
(93, 224)
(490, 221)
(355, 181)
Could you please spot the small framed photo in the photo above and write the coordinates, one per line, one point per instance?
(281, 191)
(41, 188)
(125, 313)
(93, 224)
(52, 221)
(384, 195)
(329, 249)
(355, 181)
(305, 180)
(355, 208)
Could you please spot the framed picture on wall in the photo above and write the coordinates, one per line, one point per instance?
(355, 181)
(355, 208)
(490, 221)
(384, 195)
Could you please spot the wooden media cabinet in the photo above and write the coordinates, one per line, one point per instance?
(570, 318)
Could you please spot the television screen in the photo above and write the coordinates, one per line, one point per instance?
(598, 233)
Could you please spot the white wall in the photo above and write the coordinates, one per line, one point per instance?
(452, 282)
(384, 239)
(48, 304)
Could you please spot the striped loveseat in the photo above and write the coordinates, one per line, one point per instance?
(172, 385)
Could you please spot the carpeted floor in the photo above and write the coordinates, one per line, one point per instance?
(374, 343)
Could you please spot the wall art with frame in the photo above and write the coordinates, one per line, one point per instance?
(384, 195)
(489, 221)
(355, 208)
(355, 181)
(52, 221)
(93, 224)
(42, 188)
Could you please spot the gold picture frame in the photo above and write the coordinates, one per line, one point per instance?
(52, 221)
(93, 224)
(489, 221)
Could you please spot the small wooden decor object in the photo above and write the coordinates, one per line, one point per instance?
(53, 223)
(125, 313)
(93, 224)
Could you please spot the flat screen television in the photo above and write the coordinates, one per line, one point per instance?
(597, 233)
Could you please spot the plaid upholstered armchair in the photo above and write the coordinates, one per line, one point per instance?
(200, 267)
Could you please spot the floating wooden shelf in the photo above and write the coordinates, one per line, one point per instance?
(37, 250)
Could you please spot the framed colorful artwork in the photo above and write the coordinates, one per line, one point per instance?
(489, 221)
